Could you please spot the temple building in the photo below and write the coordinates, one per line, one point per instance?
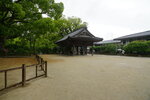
(76, 43)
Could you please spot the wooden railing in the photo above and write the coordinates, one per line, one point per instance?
(42, 65)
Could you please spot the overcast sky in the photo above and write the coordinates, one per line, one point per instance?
(110, 18)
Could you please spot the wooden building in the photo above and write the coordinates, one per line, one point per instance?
(133, 37)
(76, 43)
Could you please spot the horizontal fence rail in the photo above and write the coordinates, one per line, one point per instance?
(42, 65)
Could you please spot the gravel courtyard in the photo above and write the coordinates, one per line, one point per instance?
(97, 77)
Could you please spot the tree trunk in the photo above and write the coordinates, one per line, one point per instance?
(3, 50)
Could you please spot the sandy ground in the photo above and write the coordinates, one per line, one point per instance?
(96, 77)
(15, 75)
(6, 63)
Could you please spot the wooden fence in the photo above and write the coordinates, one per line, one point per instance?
(40, 66)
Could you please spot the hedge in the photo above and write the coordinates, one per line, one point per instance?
(138, 48)
(106, 49)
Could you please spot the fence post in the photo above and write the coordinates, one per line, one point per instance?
(23, 74)
(36, 70)
(5, 79)
(45, 68)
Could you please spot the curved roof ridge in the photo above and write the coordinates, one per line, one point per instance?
(72, 34)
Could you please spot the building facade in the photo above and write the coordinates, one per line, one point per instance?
(76, 43)
(134, 37)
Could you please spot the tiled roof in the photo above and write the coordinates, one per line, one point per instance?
(136, 35)
(71, 35)
(107, 42)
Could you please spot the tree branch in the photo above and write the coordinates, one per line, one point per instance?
(18, 1)
(21, 21)
(2, 20)
(37, 13)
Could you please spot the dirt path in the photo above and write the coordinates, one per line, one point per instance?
(96, 77)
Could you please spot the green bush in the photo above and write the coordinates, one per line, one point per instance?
(47, 50)
(138, 47)
(106, 49)
(15, 49)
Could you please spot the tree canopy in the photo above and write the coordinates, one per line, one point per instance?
(16, 13)
(23, 28)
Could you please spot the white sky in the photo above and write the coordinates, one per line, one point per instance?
(110, 18)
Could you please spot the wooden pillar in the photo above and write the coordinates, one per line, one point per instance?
(73, 50)
(85, 50)
(77, 50)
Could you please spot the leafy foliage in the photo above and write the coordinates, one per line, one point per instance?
(62, 27)
(40, 39)
(138, 47)
(24, 31)
(67, 25)
(106, 49)
(18, 18)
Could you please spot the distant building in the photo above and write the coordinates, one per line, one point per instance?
(133, 37)
(107, 42)
(76, 43)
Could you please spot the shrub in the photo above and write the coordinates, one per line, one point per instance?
(137, 47)
(106, 49)
(15, 49)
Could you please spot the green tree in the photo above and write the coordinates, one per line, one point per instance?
(59, 28)
(18, 17)
(66, 25)
(22, 25)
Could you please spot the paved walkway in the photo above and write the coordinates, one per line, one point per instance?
(96, 77)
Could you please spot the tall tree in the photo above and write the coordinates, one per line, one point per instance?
(66, 25)
(57, 30)
(19, 16)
